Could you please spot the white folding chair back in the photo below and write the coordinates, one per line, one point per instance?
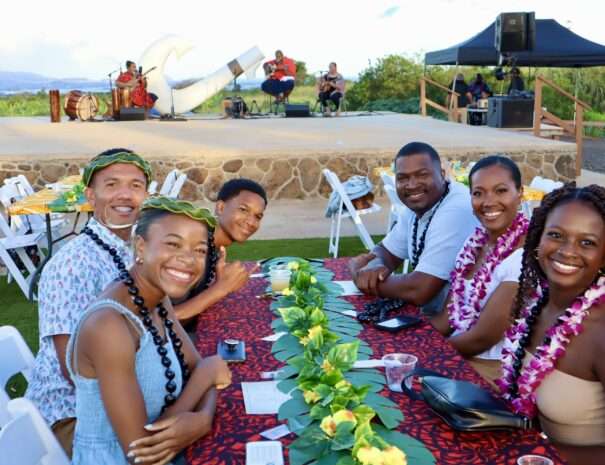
(22, 185)
(27, 440)
(397, 205)
(351, 212)
(15, 355)
(173, 184)
(17, 188)
(4, 415)
(18, 243)
(9, 194)
(544, 184)
(153, 187)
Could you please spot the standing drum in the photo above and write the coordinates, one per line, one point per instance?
(80, 106)
(125, 97)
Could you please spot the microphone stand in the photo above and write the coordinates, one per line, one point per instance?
(172, 115)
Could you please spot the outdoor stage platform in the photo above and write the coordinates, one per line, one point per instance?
(286, 155)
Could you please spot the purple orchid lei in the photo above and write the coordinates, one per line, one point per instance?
(464, 314)
(557, 337)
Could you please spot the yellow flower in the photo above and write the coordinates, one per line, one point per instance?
(327, 366)
(328, 426)
(286, 292)
(293, 266)
(310, 397)
(344, 415)
(304, 340)
(342, 384)
(370, 456)
(394, 456)
(313, 280)
(315, 331)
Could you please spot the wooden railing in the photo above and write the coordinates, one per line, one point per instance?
(451, 100)
(574, 128)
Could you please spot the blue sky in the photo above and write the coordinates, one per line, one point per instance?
(62, 39)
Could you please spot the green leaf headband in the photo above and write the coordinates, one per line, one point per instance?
(100, 162)
(180, 207)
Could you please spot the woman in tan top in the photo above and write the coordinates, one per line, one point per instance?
(554, 354)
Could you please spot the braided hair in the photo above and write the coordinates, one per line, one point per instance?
(531, 271)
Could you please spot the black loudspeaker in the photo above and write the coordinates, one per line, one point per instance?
(297, 110)
(507, 112)
(515, 32)
(132, 114)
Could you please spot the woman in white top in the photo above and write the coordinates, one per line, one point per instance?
(485, 278)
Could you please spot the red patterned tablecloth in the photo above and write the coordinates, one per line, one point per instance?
(244, 316)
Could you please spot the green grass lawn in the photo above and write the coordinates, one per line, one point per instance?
(17, 311)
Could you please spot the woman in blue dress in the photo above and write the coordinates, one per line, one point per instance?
(143, 393)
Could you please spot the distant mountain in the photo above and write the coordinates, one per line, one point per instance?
(19, 81)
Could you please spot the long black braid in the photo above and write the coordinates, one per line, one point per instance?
(531, 272)
(212, 257)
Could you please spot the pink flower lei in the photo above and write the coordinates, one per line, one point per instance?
(462, 314)
(519, 383)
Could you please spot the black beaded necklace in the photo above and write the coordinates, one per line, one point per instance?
(128, 281)
(417, 249)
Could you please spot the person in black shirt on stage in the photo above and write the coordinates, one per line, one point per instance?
(516, 81)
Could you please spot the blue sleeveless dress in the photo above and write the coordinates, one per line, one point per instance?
(95, 441)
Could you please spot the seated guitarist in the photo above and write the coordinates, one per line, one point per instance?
(137, 83)
(280, 73)
(331, 89)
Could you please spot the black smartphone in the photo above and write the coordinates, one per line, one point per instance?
(398, 323)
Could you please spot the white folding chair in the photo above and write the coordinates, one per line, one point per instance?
(4, 415)
(350, 212)
(397, 205)
(153, 187)
(15, 355)
(27, 440)
(15, 189)
(173, 184)
(18, 243)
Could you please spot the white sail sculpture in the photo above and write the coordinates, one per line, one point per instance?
(191, 96)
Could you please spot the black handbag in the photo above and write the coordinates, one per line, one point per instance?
(463, 405)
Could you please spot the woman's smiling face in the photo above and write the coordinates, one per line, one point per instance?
(174, 254)
(572, 245)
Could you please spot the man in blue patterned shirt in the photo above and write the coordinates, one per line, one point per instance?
(116, 184)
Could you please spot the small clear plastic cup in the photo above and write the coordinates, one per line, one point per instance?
(279, 276)
(396, 366)
(534, 460)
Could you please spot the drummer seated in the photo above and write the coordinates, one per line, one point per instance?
(280, 73)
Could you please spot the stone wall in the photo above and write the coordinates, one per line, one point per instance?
(287, 177)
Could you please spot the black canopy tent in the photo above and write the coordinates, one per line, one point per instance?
(556, 47)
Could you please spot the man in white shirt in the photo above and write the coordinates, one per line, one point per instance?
(430, 232)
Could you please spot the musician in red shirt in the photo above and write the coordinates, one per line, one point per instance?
(137, 84)
(280, 73)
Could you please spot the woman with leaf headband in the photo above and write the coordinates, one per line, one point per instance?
(143, 392)
(554, 353)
